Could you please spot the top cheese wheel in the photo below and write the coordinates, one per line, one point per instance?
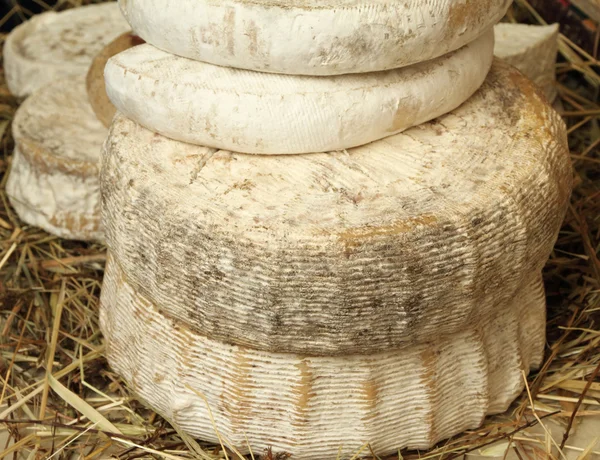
(53, 46)
(531, 49)
(312, 37)
(255, 112)
(398, 241)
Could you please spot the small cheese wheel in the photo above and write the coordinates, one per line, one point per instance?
(311, 407)
(96, 86)
(52, 46)
(252, 112)
(349, 252)
(312, 37)
(53, 181)
(531, 49)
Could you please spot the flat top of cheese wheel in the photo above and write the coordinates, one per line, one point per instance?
(73, 36)
(514, 39)
(396, 241)
(57, 122)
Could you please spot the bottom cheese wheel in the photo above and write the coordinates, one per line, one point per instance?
(344, 252)
(531, 49)
(321, 407)
(53, 183)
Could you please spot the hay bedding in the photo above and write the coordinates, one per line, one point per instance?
(58, 398)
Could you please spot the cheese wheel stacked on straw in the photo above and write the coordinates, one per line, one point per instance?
(53, 182)
(326, 220)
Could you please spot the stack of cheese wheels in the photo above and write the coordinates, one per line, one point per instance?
(53, 182)
(316, 239)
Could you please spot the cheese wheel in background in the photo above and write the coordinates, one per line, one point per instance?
(53, 183)
(531, 49)
(53, 46)
(96, 86)
(262, 113)
(321, 407)
(391, 243)
(312, 37)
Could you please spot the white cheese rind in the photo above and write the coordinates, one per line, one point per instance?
(52, 46)
(531, 49)
(261, 113)
(312, 37)
(54, 181)
(347, 252)
(322, 407)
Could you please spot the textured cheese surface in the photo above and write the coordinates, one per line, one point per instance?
(53, 45)
(355, 251)
(54, 182)
(322, 407)
(531, 49)
(317, 37)
(252, 112)
(96, 86)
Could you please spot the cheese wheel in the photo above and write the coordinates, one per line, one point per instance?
(313, 407)
(96, 86)
(252, 112)
(349, 252)
(52, 46)
(53, 182)
(531, 49)
(312, 37)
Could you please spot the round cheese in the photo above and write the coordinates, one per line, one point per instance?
(312, 37)
(96, 86)
(531, 49)
(398, 241)
(252, 112)
(53, 181)
(321, 407)
(52, 46)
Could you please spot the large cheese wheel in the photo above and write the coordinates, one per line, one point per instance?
(357, 251)
(327, 407)
(312, 37)
(253, 112)
(96, 86)
(53, 46)
(54, 182)
(531, 49)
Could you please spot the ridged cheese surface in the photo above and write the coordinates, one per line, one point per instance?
(312, 37)
(531, 49)
(52, 46)
(261, 113)
(322, 407)
(344, 252)
(54, 181)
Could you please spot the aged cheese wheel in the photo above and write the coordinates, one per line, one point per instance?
(312, 407)
(531, 49)
(96, 86)
(53, 182)
(52, 45)
(347, 252)
(253, 112)
(312, 37)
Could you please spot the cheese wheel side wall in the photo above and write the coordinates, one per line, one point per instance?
(312, 38)
(313, 253)
(53, 201)
(310, 406)
(261, 113)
